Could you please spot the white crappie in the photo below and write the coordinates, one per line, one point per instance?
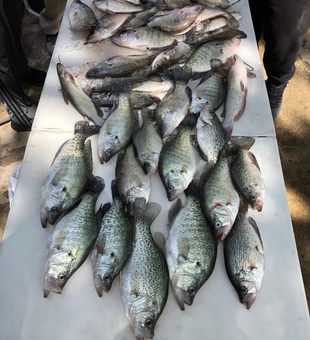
(81, 17)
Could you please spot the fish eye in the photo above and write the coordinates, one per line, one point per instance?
(192, 290)
(252, 198)
(54, 210)
(64, 189)
(107, 152)
(107, 277)
(170, 188)
(61, 277)
(148, 322)
(218, 224)
(147, 165)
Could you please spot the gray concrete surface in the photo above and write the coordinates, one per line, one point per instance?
(292, 128)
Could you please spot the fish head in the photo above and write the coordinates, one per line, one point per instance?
(64, 74)
(174, 183)
(185, 288)
(108, 147)
(256, 202)
(143, 324)
(53, 205)
(150, 166)
(222, 221)
(247, 292)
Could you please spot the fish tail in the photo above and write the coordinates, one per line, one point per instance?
(146, 212)
(244, 143)
(114, 189)
(232, 22)
(189, 121)
(190, 37)
(216, 65)
(97, 184)
(85, 128)
(193, 189)
(147, 113)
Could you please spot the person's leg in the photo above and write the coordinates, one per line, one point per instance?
(257, 9)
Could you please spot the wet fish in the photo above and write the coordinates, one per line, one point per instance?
(212, 13)
(74, 94)
(113, 244)
(214, 3)
(154, 84)
(147, 142)
(145, 278)
(139, 19)
(146, 38)
(211, 90)
(178, 3)
(117, 6)
(178, 160)
(246, 173)
(107, 26)
(177, 20)
(236, 94)
(174, 106)
(219, 198)
(71, 241)
(131, 180)
(81, 17)
(68, 178)
(244, 257)
(210, 135)
(191, 247)
(116, 132)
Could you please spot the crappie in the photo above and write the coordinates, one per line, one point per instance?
(117, 6)
(107, 26)
(246, 173)
(131, 180)
(68, 178)
(147, 142)
(178, 3)
(212, 13)
(178, 161)
(211, 89)
(214, 3)
(116, 132)
(113, 244)
(244, 257)
(79, 100)
(210, 135)
(71, 241)
(170, 112)
(81, 17)
(139, 19)
(236, 95)
(219, 198)
(191, 247)
(145, 278)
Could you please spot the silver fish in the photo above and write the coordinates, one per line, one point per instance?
(139, 19)
(244, 257)
(178, 3)
(145, 278)
(212, 13)
(117, 6)
(81, 17)
(191, 247)
(113, 244)
(71, 241)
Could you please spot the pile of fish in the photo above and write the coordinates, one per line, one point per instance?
(161, 117)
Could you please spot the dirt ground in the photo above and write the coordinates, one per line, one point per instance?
(292, 128)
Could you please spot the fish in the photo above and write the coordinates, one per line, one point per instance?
(246, 173)
(219, 198)
(67, 179)
(107, 26)
(173, 108)
(139, 19)
(244, 257)
(178, 3)
(235, 102)
(191, 247)
(113, 244)
(146, 38)
(81, 17)
(71, 241)
(116, 132)
(131, 180)
(177, 20)
(211, 89)
(212, 13)
(75, 95)
(154, 84)
(214, 3)
(147, 142)
(210, 135)
(178, 160)
(117, 6)
(144, 279)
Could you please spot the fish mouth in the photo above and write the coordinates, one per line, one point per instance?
(222, 232)
(43, 220)
(101, 285)
(51, 285)
(182, 298)
(249, 299)
(258, 205)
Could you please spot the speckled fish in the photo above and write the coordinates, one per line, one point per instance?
(178, 160)
(212, 13)
(210, 135)
(145, 278)
(75, 95)
(107, 26)
(71, 241)
(191, 247)
(236, 94)
(81, 17)
(177, 20)
(68, 178)
(113, 244)
(211, 89)
(244, 257)
(139, 19)
(215, 24)
(117, 6)
(246, 173)
(147, 142)
(146, 38)
(131, 180)
(116, 132)
(173, 108)
(219, 198)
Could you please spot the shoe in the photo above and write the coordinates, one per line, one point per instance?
(275, 95)
(35, 77)
(50, 42)
(20, 110)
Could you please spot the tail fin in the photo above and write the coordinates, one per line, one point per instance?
(193, 189)
(84, 128)
(146, 212)
(97, 184)
(114, 190)
(190, 37)
(244, 143)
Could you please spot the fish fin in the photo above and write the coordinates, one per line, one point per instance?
(85, 128)
(60, 174)
(253, 159)
(97, 184)
(255, 227)
(99, 112)
(65, 96)
(198, 75)
(242, 108)
(193, 189)
(160, 240)
(114, 189)
(189, 121)
(119, 158)
(147, 113)
(89, 155)
(101, 212)
(217, 66)
(206, 76)
(244, 143)
(190, 37)
(173, 212)
(146, 212)
(59, 150)
(232, 22)
(188, 92)
(136, 126)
